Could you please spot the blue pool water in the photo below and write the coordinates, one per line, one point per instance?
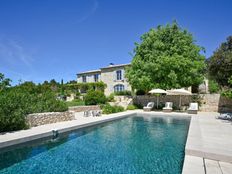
(134, 144)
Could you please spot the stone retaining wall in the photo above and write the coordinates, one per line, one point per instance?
(84, 108)
(225, 104)
(209, 102)
(144, 99)
(38, 119)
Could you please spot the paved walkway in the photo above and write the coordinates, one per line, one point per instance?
(209, 145)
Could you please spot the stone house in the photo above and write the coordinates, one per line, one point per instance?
(113, 76)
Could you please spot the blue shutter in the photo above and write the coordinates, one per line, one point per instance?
(122, 74)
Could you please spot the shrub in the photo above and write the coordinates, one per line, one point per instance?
(94, 98)
(131, 107)
(123, 93)
(140, 92)
(227, 94)
(139, 106)
(16, 103)
(47, 102)
(110, 98)
(108, 109)
(76, 102)
(197, 99)
(213, 86)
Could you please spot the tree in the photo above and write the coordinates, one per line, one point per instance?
(4, 82)
(220, 63)
(166, 58)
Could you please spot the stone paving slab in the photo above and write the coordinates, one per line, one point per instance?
(212, 166)
(226, 167)
(193, 165)
(199, 165)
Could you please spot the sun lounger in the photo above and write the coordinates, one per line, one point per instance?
(149, 107)
(94, 113)
(168, 107)
(225, 116)
(193, 108)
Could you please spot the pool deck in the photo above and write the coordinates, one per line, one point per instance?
(209, 145)
(208, 148)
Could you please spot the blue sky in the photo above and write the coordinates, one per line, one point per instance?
(45, 39)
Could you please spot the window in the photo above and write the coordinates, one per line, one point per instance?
(96, 77)
(83, 79)
(118, 88)
(119, 75)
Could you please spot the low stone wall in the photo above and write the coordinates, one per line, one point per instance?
(209, 102)
(84, 108)
(38, 119)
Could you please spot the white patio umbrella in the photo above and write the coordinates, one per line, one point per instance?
(157, 91)
(179, 92)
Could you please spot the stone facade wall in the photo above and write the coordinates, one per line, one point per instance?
(38, 119)
(84, 108)
(210, 102)
(108, 76)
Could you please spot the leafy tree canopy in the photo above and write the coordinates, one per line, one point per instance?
(220, 64)
(4, 82)
(166, 58)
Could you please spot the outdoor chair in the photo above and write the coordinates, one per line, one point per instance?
(87, 113)
(193, 108)
(149, 107)
(225, 116)
(168, 107)
(96, 113)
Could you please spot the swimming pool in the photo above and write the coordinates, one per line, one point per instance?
(136, 144)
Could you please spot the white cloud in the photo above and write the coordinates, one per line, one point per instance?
(92, 10)
(14, 53)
